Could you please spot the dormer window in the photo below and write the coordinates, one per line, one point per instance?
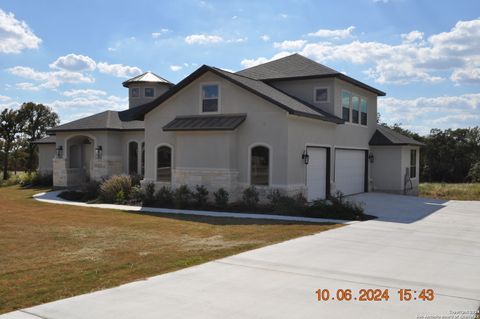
(321, 95)
(135, 92)
(210, 97)
(149, 92)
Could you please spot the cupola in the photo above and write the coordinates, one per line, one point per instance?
(145, 87)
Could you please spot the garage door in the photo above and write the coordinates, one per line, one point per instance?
(316, 173)
(350, 171)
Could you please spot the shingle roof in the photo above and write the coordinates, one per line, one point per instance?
(385, 136)
(107, 120)
(147, 77)
(51, 139)
(218, 122)
(260, 88)
(298, 66)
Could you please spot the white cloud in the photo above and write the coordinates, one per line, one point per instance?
(7, 102)
(203, 39)
(84, 93)
(334, 34)
(27, 86)
(176, 68)
(283, 15)
(290, 45)
(412, 36)
(265, 37)
(237, 40)
(118, 70)
(15, 35)
(248, 63)
(74, 62)
(158, 34)
(50, 79)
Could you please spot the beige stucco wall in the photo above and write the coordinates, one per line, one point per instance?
(46, 153)
(159, 89)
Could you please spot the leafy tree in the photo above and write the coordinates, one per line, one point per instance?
(36, 119)
(10, 127)
(474, 173)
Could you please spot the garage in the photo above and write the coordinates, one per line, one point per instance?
(350, 171)
(318, 173)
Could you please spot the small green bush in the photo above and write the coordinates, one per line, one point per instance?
(26, 179)
(164, 197)
(285, 204)
(149, 192)
(110, 188)
(337, 207)
(221, 198)
(120, 197)
(137, 195)
(250, 197)
(182, 197)
(200, 196)
(136, 178)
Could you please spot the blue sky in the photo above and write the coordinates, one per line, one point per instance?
(73, 55)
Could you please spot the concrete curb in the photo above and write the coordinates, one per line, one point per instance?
(52, 198)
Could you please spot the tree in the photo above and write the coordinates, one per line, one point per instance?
(10, 127)
(36, 119)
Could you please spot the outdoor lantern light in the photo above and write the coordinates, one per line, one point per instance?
(371, 158)
(59, 151)
(98, 152)
(305, 157)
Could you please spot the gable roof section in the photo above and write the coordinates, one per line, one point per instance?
(51, 139)
(384, 136)
(296, 66)
(259, 88)
(217, 122)
(104, 121)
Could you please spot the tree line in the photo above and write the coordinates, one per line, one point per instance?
(18, 129)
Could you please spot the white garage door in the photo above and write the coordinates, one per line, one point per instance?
(350, 171)
(316, 173)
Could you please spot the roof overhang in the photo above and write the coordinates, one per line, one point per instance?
(218, 122)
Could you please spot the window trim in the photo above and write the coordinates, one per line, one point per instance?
(349, 105)
(415, 165)
(145, 95)
(360, 111)
(315, 94)
(172, 154)
(218, 98)
(360, 97)
(131, 94)
(270, 164)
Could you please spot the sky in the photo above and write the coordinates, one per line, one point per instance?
(74, 55)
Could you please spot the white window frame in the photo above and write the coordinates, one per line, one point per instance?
(145, 95)
(156, 162)
(315, 94)
(218, 98)
(349, 105)
(131, 93)
(270, 164)
(360, 111)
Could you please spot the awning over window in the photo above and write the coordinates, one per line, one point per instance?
(217, 122)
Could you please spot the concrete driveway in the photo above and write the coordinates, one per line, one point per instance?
(415, 244)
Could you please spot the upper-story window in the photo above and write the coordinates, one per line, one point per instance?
(355, 108)
(363, 111)
(321, 95)
(149, 92)
(210, 97)
(135, 92)
(346, 106)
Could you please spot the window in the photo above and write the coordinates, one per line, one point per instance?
(142, 160)
(132, 158)
(346, 106)
(355, 107)
(210, 98)
(321, 95)
(413, 163)
(164, 164)
(135, 92)
(149, 92)
(363, 111)
(260, 165)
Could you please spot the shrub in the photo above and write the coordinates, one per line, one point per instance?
(337, 207)
(110, 188)
(149, 192)
(120, 197)
(285, 204)
(474, 173)
(164, 196)
(182, 196)
(137, 195)
(42, 179)
(25, 179)
(200, 196)
(12, 180)
(250, 197)
(221, 197)
(136, 178)
(90, 190)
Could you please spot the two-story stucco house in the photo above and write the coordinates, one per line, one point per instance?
(290, 124)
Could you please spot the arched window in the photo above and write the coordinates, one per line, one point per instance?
(142, 160)
(260, 165)
(132, 158)
(164, 164)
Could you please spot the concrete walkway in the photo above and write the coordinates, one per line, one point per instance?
(52, 197)
(415, 244)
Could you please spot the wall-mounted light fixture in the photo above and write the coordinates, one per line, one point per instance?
(59, 150)
(305, 157)
(98, 152)
(371, 158)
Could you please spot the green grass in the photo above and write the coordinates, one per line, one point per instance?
(467, 191)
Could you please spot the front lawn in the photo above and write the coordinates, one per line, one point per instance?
(467, 191)
(49, 252)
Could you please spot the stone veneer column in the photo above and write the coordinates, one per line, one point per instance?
(60, 178)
